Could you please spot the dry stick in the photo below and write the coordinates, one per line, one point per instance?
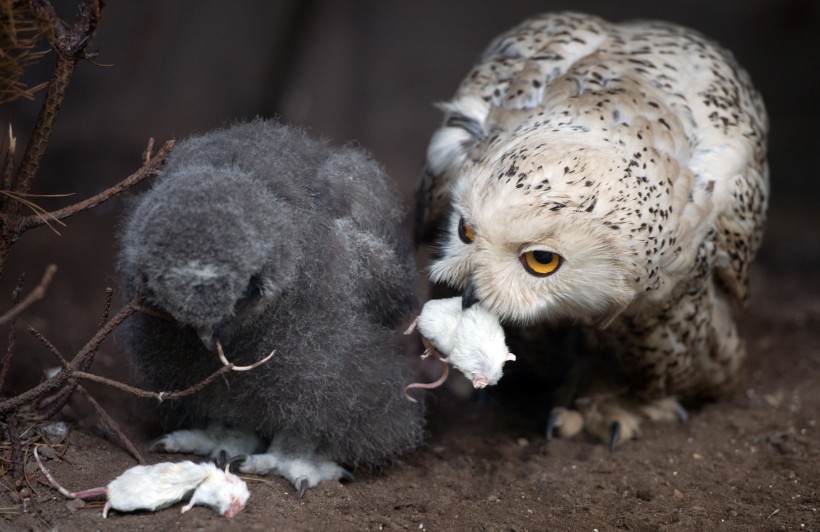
(69, 390)
(15, 298)
(164, 396)
(58, 400)
(16, 450)
(35, 295)
(150, 168)
(65, 393)
(69, 46)
(51, 347)
(145, 394)
(8, 161)
(58, 380)
(124, 441)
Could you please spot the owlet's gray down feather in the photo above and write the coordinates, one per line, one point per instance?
(265, 239)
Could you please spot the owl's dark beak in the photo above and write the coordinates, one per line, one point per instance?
(206, 334)
(469, 297)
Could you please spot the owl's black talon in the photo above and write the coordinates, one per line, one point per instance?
(614, 435)
(302, 485)
(221, 460)
(681, 413)
(346, 477)
(236, 461)
(551, 425)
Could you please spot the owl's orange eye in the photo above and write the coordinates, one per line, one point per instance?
(465, 232)
(540, 263)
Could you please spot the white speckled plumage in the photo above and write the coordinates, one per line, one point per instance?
(636, 152)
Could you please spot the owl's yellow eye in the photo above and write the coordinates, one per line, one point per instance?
(540, 263)
(465, 232)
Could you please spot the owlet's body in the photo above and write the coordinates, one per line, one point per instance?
(612, 176)
(264, 239)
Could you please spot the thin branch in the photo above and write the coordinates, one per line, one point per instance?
(112, 425)
(51, 347)
(164, 396)
(56, 402)
(150, 168)
(70, 46)
(60, 399)
(8, 160)
(15, 298)
(160, 396)
(66, 373)
(38, 211)
(16, 449)
(33, 296)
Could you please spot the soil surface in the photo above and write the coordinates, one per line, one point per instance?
(749, 462)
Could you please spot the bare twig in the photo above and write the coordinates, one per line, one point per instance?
(38, 211)
(154, 313)
(112, 425)
(33, 296)
(60, 379)
(15, 298)
(165, 396)
(51, 347)
(8, 160)
(16, 450)
(70, 46)
(160, 396)
(151, 167)
(56, 402)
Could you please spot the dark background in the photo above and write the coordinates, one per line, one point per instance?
(364, 71)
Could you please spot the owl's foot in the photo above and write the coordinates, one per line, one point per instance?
(210, 442)
(296, 460)
(611, 419)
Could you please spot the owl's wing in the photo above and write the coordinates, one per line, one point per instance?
(739, 229)
(507, 82)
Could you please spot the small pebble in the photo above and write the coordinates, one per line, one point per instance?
(55, 432)
(678, 493)
(74, 504)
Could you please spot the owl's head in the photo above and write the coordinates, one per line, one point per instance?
(537, 238)
(211, 247)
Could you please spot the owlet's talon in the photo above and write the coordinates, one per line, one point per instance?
(614, 434)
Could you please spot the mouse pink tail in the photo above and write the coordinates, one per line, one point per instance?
(93, 492)
(429, 386)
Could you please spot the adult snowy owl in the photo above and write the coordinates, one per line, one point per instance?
(612, 176)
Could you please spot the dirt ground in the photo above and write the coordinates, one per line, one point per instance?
(748, 462)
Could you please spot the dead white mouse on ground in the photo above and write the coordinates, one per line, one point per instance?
(157, 486)
(471, 339)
